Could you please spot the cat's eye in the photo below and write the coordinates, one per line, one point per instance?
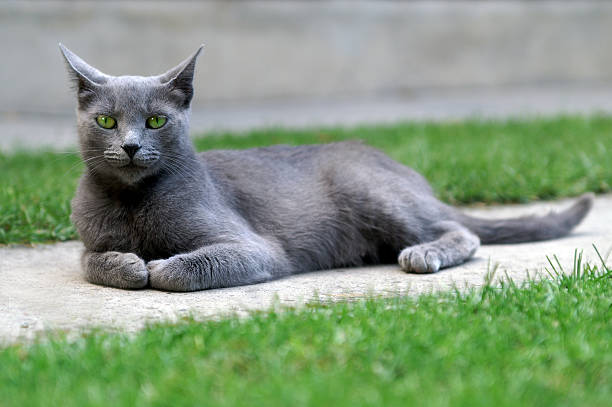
(106, 122)
(155, 122)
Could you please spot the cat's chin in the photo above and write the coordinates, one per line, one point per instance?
(131, 174)
(131, 166)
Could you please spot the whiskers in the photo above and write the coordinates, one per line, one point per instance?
(94, 163)
(181, 166)
(90, 163)
(60, 167)
(177, 165)
(78, 152)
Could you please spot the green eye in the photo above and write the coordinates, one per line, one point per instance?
(106, 122)
(155, 122)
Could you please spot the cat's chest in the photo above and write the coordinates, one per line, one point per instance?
(152, 228)
(159, 232)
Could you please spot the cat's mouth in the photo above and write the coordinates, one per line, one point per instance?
(133, 165)
(133, 172)
(132, 169)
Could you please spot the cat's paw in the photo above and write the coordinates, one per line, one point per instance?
(171, 275)
(131, 270)
(420, 259)
(160, 272)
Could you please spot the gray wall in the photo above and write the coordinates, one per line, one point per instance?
(276, 50)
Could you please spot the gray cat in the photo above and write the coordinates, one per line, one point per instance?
(151, 211)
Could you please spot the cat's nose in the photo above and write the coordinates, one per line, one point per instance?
(131, 149)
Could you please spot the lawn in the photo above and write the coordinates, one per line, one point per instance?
(466, 162)
(547, 343)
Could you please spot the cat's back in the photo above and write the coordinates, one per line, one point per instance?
(281, 155)
(285, 159)
(285, 166)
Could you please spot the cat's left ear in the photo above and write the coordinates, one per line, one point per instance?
(179, 79)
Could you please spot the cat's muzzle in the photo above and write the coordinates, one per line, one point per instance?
(120, 158)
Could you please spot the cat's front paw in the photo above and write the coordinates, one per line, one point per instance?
(134, 271)
(419, 259)
(172, 274)
(116, 269)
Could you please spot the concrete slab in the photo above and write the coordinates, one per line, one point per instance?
(41, 287)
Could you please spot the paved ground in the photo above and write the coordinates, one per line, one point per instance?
(58, 131)
(41, 287)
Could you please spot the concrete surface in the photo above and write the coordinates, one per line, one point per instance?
(275, 49)
(41, 288)
(59, 131)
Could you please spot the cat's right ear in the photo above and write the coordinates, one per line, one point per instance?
(86, 78)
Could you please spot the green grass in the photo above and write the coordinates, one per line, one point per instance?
(547, 343)
(467, 161)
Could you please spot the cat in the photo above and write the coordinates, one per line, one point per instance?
(152, 212)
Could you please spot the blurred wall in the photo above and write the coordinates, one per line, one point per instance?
(258, 50)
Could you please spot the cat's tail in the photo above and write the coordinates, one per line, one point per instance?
(529, 228)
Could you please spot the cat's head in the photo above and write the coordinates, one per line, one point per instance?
(131, 127)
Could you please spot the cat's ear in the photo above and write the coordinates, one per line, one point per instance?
(179, 80)
(85, 77)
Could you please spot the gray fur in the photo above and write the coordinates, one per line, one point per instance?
(182, 221)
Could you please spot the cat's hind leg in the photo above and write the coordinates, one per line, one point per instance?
(454, 245)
